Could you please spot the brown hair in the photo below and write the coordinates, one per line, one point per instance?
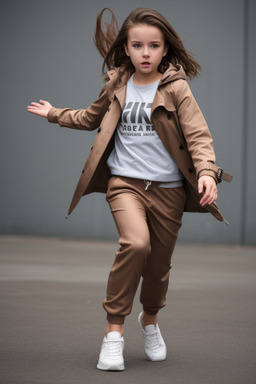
(110, 43)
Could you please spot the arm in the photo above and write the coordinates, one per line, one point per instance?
(199, 143)
(84, 119)
(195, 130)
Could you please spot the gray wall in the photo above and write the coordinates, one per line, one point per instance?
(47, 52)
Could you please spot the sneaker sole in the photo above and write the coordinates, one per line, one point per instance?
(159, 359)
(110, 367)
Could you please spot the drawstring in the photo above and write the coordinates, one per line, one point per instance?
(148, 183)
(225, 221)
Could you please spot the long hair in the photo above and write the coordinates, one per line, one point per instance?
(110, 43)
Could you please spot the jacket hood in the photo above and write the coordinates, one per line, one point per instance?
(173, 73)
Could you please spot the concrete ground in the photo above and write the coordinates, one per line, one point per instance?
(52, 322)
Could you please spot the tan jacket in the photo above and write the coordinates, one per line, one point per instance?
(176, 118)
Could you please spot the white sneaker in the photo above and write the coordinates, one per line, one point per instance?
(111, 354)
(154, 345)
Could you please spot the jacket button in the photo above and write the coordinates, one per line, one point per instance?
(191, 170)
(169, 116)
(181, 147)
(91, 148)
(83, 171)
(99, 129)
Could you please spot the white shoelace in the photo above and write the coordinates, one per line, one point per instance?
(113, 348)
(152, 340)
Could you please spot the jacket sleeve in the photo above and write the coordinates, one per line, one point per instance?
(83, 119)
(196, 132)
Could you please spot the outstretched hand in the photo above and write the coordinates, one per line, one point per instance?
(207, 186)
(41, 109)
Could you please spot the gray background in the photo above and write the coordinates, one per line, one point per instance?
(47, 52)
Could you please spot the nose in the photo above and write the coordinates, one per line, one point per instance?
(145, 51)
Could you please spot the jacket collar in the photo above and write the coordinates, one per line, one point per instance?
(171, 74)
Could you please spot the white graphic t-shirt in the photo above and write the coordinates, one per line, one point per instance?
(138, 150)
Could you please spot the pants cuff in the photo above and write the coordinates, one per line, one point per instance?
(150, 310)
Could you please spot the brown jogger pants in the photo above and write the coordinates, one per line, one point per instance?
(148, 222)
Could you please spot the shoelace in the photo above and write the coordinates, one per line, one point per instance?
(113, 347)
(152, 341)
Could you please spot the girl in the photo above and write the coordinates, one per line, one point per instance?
(154, 157)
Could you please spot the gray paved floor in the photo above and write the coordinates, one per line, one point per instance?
(52, 322)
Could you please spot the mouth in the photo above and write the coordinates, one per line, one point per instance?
(145, 64)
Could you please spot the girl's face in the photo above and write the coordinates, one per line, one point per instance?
(146, 48)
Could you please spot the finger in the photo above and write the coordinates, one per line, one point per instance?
(37, 105)
(200, 186)
(43, 101)
(36, 111)
(206, 197)
(203, 201)
(32, 107)
(214, 197)
(209, 198)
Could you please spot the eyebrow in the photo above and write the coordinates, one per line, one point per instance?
(138, 41)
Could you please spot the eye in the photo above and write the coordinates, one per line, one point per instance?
(136, 46)
(155, 46)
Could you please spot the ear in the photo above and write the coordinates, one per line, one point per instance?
(165, 49)
(126, 50)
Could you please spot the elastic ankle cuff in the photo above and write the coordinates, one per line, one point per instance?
(151, 311)
(113, 319)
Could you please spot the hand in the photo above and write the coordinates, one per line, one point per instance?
(40, 109)
(207, 185)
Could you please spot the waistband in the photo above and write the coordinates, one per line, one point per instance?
(151, 183)
(171, 184)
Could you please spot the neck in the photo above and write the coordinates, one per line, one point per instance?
(146, 79)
